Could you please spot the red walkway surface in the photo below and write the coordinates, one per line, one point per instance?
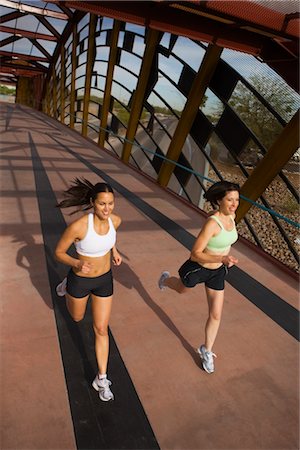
(250, 402)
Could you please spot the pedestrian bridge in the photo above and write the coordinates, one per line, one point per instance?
(163, 399)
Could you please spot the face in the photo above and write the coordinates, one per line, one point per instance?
(229, 203)
(104, 205)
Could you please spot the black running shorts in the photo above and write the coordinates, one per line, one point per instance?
(80, 287)
(191, 273)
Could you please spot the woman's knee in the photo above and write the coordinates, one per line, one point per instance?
(215, 315)
(77, 316)
(182, 289)
(101, 329)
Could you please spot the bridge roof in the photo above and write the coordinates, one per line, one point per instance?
(31, 30)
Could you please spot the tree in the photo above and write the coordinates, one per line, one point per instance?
(255, 115)
(5, 90)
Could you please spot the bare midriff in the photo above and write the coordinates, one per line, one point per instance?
(99, 265)
(214, 265)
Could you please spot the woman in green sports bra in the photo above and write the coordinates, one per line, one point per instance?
(209, 261)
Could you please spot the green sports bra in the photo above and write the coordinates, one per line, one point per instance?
(223, 240)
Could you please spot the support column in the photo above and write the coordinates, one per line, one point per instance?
(91, 53)
(138, 98)
(109, 77)
(274, 160)
(54, 92)
(73, 73)
(48, 98)
(190, 110)
(62, 84)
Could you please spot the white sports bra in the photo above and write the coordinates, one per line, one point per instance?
(94, 244)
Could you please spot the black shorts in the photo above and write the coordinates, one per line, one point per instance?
(191, 273)
(80, 287)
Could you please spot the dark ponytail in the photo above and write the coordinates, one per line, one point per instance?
(81, 192)
(218, 190)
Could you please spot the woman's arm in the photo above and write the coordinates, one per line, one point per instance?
(209, 230)
(116, 257)
(71, 233)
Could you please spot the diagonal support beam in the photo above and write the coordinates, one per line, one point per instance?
(190, 110)
(275, 159)
(27, 33)
(73, 75)
(23, 56)
(138, 98)
(109, 77)
(11, 16)
(91, 54)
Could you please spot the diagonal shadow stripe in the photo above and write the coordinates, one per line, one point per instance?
(121, 424)
(281, 312)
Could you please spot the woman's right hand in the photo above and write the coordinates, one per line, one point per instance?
(84, 267)
(229, 260)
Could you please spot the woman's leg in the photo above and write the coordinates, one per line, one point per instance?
(176, 284)
(215, 300)
(76, 307)
(101, 307)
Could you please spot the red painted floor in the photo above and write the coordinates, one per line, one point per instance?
(251, 402)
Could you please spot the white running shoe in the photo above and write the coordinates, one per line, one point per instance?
(102, 386)
(162, 279)
(207, 359)
(61, 288)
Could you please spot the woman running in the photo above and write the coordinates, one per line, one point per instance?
(209, 262)
(94, 237)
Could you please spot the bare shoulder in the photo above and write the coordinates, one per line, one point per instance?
(211, 225)
(116, 220)
(209, 229)
(79, 225)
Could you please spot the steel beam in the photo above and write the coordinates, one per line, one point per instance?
(14, 68)
(91, 53)
(138, 97)
(73, 73)
(54, 92)
(23, 56)
(9, 40)
(196, 94)
(274, 160)
(11, 16)
(62, 84)
(108, 84)
(27, 33)
(34, 10)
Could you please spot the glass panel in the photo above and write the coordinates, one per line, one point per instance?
(170, 66)
(170, 94)
(212, 107)
(139, 45)
(190, 52)
(124, 77)
(255, 115)
(130, 62)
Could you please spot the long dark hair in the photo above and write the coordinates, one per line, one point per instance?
(218, 190)
(82, 193)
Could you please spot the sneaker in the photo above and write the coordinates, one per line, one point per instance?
(61, 288)
(161, 280)
(102, 386)
(207, 359)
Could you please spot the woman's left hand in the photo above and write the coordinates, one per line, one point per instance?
(116, 258)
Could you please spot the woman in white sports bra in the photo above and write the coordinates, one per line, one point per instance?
(94, 237)
(209, 262)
